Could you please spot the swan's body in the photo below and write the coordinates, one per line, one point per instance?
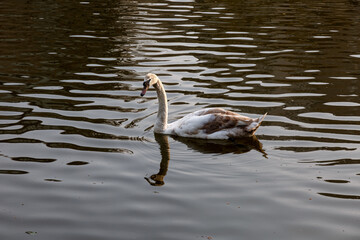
(208, 123)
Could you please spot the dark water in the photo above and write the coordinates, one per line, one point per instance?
(78, 156)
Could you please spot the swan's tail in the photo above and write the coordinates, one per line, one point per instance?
(260, 119)
(256, 124)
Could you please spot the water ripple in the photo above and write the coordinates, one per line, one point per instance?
(74, 129)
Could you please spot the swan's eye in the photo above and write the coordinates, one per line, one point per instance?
(146, 83)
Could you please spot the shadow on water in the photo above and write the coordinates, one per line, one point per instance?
(235, 146)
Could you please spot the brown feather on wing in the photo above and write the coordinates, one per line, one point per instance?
(221, 122)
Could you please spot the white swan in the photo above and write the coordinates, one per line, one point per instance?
(208, 123)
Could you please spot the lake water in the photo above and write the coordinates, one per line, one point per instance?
(78, 157)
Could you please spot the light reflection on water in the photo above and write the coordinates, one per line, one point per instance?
(76, 139)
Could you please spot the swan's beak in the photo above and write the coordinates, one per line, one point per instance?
(143, 91)
(145, 88)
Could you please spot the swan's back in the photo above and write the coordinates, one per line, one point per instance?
(214, 123)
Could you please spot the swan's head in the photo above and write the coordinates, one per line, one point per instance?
(149, 80)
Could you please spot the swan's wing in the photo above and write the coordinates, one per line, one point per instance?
(222, 122)
(215, 111)
(205, 122)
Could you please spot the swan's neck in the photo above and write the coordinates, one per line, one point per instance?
(162, 116)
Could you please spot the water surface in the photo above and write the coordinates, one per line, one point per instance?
(78, 157)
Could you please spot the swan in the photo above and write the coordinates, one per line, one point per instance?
(207, 123)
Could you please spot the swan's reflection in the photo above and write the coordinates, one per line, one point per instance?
(158, 179)
(236, 146)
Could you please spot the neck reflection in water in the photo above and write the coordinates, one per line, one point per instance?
(158, 179)
(205, 146)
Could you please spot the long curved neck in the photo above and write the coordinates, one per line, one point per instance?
(162, 116)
